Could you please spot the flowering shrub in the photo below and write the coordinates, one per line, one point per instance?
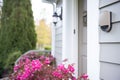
(42, 67)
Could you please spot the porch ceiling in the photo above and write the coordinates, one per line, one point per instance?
(49, 1)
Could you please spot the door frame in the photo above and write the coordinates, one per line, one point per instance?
(93, 64)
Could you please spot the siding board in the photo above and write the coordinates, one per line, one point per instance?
(59, 30)
(106, 2)
(112, 36)
(115, 9)
(58, 39)
(110, 42)
(58, 36)
(58, 58)
(110, 71)
(58, 44)
(110, 53)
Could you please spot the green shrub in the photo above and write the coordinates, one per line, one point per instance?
(17, 31)
(10, 61)
(47, 47)
(1, 70)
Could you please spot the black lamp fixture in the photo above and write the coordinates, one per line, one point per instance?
(56, 16)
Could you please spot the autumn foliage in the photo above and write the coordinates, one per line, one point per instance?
(43, 32)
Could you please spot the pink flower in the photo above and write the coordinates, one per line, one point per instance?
(18, 77)
(84, 76)
(57, 74)
(71, 68)
(42, 57)
(36, 64)
(27, 61)
(73, 78)
(25, 75)
(16, 67)
(38, 67)
(47, 60)
(62, 68)
(27, 68)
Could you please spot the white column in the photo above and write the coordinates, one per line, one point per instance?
(70, 40)
(92, 40)
(53, 32)
(53, 40)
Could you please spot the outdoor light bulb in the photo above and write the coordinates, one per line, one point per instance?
(55, 19)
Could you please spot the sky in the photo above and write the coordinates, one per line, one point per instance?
(42, 11)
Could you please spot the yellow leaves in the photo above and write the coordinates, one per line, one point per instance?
(43, 32)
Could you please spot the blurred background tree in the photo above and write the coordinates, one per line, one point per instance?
(17, 32)
(43, 32)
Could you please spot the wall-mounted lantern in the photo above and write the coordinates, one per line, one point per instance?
(105, 21)
(55, 19)
(56, 16)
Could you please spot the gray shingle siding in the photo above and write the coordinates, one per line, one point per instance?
(110, 42)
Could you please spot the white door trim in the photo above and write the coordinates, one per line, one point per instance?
(93, 65)
(70, 40)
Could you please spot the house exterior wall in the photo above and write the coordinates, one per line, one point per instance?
(70, 39)
(57, 31)
(110, 42)
(65, 35)
(58, 35)
(58, 42)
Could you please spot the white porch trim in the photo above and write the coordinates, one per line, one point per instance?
(93, 65)
(70, 40)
